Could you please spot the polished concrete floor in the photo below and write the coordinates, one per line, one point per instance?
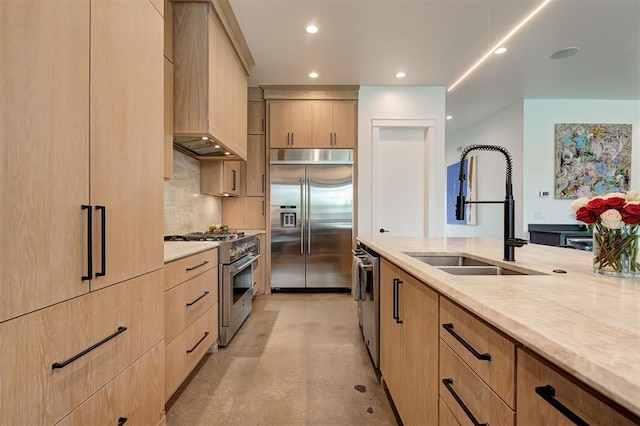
(299, 359)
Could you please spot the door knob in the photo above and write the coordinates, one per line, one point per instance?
(382, 230)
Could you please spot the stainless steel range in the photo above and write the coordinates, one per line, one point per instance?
(237, 255)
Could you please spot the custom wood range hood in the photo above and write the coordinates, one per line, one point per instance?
(211, 67)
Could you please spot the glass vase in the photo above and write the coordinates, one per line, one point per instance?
(615, 251)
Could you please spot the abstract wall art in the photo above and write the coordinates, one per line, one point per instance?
(591, 159)
(470, 191)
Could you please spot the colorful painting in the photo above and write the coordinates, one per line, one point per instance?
(592, 159)
(470, 191)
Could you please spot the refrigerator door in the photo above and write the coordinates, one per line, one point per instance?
(329, 215)
(287, 226)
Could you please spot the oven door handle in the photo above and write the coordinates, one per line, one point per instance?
(236, 269)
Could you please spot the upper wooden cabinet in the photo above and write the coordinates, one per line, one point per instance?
(103, 153)
(256, 166)
(312, 124)
(334, 124)
(210, 79)
(221, 177)
(256, 118)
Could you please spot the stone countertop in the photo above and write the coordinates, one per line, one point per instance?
(174, 250)
(251, 232)
(587, 324)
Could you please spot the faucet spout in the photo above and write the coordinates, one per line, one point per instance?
(509, 204)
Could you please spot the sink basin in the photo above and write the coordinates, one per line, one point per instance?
(458, 264)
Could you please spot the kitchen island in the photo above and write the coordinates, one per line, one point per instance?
(585, 324)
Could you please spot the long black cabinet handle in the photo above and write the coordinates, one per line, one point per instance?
(194, 302)
(122, 420)
(448, 383)
(548, 393)
(395, 295)
(89, 245)
(206, 333)
(197, 266)
(86, 351)
(398, 281)
(483, 357)
(103, 242)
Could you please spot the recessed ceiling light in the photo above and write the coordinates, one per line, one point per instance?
(313, 74)
(204, 138)
(401, 74)
(227, 153)
(564, 53)
(449, 117)
(216, 146)
(312, 28)
(500, 50)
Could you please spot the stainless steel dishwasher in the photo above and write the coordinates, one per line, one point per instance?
(368, 276)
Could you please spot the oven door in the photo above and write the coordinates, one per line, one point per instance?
(236, 292)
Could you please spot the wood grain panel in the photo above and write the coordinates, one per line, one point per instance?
(181, 307)
(188, 267)
(44, 154)
(126, 129)
(345, 124)
(135, 394)
(178, 361)
(485, 405)
(168, 119)
(279, 124)
(254, 212)
(256, 115)
(534, 410)
(446, 417)
(168, 30)
(43, 395)
(256, 166)
(322, 126)
(301, 124)
(499, 372)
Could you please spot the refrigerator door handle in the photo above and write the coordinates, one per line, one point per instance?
(308, 208)
(302, 209)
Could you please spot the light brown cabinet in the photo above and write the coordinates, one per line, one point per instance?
(543, 392)
(244, 213)
(334, 124)
(168, 119)
(210, 81)
(190, 315)
(260, 270)
(256, 166)
(256, 118)
(409, 344)
(290, 124)
(220, 177)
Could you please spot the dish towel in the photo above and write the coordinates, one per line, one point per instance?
(357, 276)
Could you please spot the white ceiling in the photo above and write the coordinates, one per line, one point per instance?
(366, 42)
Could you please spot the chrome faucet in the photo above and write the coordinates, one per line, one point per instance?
(510, 242)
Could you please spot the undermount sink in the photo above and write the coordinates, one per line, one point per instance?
(456, 264)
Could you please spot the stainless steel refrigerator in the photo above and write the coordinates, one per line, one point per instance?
(311, 218)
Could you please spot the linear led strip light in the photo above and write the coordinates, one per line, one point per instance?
(500, 43)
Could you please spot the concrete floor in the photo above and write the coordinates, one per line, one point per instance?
(299, 359)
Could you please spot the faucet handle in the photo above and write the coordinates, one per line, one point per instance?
(516, 242)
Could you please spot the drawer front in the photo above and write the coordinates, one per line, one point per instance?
(186, 302)
(181, 270)
(534, 409)
(499, 371)
(476, 395)
(58, 335)
(446, 417)
(136, 395)
(183, 354)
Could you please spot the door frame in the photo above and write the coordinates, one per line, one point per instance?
(429, 126)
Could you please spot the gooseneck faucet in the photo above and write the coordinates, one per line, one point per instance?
(509, 204)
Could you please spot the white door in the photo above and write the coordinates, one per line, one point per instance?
(399, 182)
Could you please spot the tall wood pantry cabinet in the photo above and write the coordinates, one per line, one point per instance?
(81, 253)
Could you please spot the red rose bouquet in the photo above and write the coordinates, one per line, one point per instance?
(614, 219)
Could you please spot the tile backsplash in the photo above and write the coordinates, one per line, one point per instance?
(185, 208)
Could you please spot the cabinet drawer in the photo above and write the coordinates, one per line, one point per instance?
(535, 376)
(481, 401)
(31, 345)
(446, 417)
(186, 302)
(136, 395)
(186, 350)
(499, 371)
(181, 270)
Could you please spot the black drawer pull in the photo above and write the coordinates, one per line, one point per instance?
(482, 357)
(397, 299)
(89, 244)
(197, 266)
(103, 241)
(194, 302)
(86, 351)
(122, 420)
(206, 333)
(548, 393)
(448, 383)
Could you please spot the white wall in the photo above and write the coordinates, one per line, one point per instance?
(540, 116)
(390, 102)
(505, 129)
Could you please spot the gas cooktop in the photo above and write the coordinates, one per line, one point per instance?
(205, 236)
